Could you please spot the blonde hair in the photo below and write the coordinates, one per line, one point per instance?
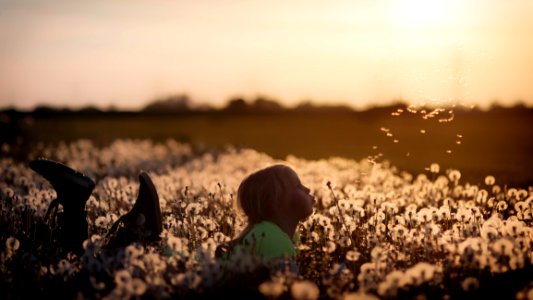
(259, 192)
(257, 196)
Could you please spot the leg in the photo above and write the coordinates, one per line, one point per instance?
(143, 222)
(73, 189)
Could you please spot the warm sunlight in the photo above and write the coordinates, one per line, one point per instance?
(125, 53)
(421, 14)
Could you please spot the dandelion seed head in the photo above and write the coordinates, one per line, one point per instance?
(271, 289)
(359, 296)
(330, 247)
(136, 287)
(470, 284)
(12, 244)
(352, 255)
(305, 289)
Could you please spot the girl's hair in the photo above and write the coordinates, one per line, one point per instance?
(257, 196)
(258, 193)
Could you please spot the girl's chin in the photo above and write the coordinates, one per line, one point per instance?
(309, 213)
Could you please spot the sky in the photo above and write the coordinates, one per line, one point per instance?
(125, 53)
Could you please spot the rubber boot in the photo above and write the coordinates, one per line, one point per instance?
(143, 222)
(73, 189)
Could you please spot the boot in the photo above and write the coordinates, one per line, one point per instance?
(73, 189)
(143, 222)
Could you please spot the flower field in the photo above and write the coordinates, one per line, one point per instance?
(376, 232)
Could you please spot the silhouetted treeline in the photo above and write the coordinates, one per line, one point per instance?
(182, 104)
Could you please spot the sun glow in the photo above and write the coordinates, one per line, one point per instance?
(422, 14)
(326, 51)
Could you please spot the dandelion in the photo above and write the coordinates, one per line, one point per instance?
(520, 206)
(395, 277)
(345, 241)
(489, 233)
(102, 222)
(96, 285)
(352, 255)
(12, 244)
(490, 180)
(133, 251)
(193, 209)
(64, 267)
(444, 213)
(512, 193)
(330, 247)
(501, 206)
(422, 271)
(470, 284)
(136, 287)
(424, 215)
(389, 287)
(516, 261)
(496, 189)
(123, 278)
(271, 289)
(463, 215)
(454, 175)
(360, 296)
(503, 246)
(513, 228)
(378, 253)
(305, 289)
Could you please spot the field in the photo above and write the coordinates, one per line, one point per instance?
(383, 227)
(497, 142)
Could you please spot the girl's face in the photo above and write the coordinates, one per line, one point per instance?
(299, 203)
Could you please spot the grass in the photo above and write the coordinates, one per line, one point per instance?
(491, 143)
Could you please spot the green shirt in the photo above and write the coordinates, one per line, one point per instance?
(267, 240)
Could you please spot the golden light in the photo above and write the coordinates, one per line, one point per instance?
(423, 14)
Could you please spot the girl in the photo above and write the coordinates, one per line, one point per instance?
(274, 201)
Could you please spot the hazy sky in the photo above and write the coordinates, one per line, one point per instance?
(125, 53)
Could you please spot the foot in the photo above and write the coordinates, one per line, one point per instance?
(73, 189)
(143, 222)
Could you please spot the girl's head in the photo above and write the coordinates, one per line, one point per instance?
(272, 193)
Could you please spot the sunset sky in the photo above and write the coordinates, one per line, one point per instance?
(360, 52)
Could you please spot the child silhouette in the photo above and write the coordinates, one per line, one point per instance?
(274, 201)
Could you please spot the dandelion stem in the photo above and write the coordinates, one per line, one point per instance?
(341, 216)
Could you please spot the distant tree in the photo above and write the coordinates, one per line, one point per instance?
(308, 106)
(89, 110)
(259, 105)
(44, 109)
(266, 105)
(173, 103)
(237, 105)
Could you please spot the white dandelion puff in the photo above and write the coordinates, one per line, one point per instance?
(271, 289)
(304, 290)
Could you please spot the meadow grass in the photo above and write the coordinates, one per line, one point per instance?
(478, 143)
